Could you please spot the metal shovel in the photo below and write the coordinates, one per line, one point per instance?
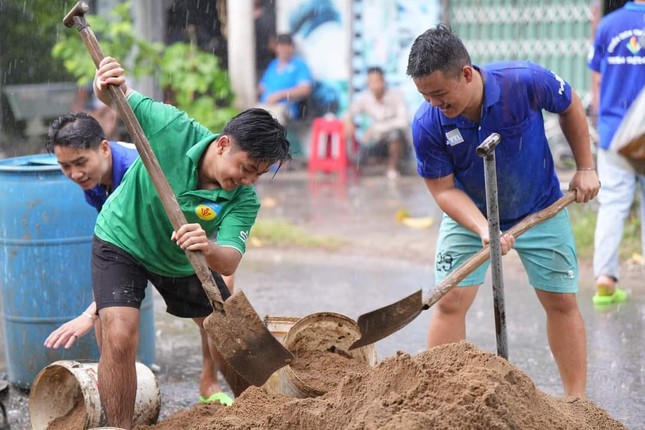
(234, 326)
(380, 323)
(486, 150)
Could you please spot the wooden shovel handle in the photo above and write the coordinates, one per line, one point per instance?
(478, 259)
(151, 164)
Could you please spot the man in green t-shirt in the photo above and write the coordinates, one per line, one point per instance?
(211, 175)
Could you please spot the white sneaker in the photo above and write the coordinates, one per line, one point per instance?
(392, 174)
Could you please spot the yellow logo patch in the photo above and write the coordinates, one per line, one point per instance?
(206, 212)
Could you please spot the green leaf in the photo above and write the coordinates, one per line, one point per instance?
(201, 87)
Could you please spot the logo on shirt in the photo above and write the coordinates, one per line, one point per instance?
(207, 210)
(630, 38)
(244, 236)
(561, 81)
(633, 46)
(454, 137)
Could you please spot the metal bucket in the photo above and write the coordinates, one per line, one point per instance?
(61, 387)
(327, 330)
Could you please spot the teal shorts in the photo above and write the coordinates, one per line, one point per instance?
(547, 251)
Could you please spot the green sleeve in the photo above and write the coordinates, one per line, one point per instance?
(236, 225)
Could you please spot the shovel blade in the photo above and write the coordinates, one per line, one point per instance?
(245, 342)
(382, 322)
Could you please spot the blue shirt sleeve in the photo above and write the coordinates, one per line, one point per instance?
(596, 52)
(547, 90)
(433, 160)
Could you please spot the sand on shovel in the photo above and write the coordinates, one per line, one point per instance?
(455, 386)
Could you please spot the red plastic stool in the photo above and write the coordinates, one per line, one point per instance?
(328, 150)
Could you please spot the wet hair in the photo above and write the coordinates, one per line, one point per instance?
(259, 134)
(437, 49)
(375, 69)
(75, 130)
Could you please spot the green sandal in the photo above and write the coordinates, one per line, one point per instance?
(619, 296)
(221, 398)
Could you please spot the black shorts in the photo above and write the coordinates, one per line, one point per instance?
(119, 279)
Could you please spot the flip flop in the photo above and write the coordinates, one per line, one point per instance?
(221, 398)
(619, 296)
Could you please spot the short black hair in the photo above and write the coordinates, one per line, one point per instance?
(284, 39)
(259, 134)
(375, 69)
(76, 130)
(437, 49)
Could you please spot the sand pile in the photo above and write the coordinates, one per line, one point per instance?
(453, 386)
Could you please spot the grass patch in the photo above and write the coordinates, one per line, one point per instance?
(583, 222)
(280, 232)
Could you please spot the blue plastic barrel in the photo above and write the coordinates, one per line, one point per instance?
(45, 278)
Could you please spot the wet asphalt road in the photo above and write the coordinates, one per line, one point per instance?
(381, 262)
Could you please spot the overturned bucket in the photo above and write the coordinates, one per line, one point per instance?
(324, 332)
(67, 391)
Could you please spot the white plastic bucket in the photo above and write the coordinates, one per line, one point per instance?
(60, 387)
(320, 332)
(279, 326)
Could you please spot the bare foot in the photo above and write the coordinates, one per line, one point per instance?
(605, 285)
(208, 386)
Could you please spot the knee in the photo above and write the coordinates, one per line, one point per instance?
(452, 304)
(119, 337)
(561, 304)
(200, 324)
(118, 343)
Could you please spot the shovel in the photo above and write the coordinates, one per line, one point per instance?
(235, 328)
(487, 151)
(382, 322)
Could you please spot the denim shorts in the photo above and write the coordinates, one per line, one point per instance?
(119, 279)
(547, 251)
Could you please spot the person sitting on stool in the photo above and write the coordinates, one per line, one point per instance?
(385, 108)
(286, 82)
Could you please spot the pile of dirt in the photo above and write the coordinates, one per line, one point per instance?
(73, 420)
(454, 386)
(322, 371)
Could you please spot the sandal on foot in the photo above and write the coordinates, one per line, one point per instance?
(221, 398)
(619, 296)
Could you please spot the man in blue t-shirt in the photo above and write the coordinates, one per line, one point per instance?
(617, 61)
(286, 82)
(98, 167)
(464, 105)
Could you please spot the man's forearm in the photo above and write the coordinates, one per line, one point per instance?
(573, 122)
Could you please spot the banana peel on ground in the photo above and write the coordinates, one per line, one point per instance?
(404, 217)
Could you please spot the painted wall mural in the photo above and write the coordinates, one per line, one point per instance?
(340, 39)
(321, 30)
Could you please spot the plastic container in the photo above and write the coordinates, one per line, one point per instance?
(63, 385)
(279, 327)
(320, 332)
(46, 230)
